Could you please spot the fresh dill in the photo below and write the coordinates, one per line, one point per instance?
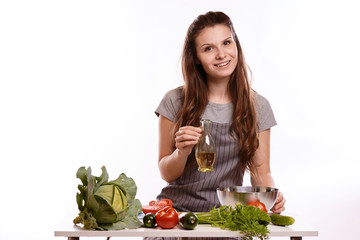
(248, 220)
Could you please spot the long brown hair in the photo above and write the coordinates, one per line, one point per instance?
(195, 91)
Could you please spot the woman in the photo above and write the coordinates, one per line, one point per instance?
(216, 87)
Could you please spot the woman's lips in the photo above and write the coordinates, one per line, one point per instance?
(223, 64)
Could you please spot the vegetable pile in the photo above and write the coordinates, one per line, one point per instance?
(165, 216)
(105, 205)
(249, 220)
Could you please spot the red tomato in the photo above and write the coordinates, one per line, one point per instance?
(166, 202)
(151, 209)
(153, 203)
(259, 205)
(155, 206)
(167, 217)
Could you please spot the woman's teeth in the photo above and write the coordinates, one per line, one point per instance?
(222, 64)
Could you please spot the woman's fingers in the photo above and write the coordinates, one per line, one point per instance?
(186, 138)
(182, 145)
(189, 130)
(187, 134)
(279, 205)
(185, 141)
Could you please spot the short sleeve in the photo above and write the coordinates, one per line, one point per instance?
(170, 104)
(265, 115)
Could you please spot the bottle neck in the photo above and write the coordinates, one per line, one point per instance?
(205, 124)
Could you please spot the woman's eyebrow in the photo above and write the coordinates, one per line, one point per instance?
(205, 44)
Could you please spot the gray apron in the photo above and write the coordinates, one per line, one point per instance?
(196, 191)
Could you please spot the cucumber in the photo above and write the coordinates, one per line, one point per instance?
(188, 220)
(281, 220)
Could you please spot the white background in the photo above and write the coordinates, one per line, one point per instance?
(80, 80)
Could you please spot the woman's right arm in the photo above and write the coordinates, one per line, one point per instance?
(172, 160)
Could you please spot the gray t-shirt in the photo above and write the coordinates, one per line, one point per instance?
(219, 113)
(196, 191)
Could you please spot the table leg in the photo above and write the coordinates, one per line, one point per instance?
(295, 238)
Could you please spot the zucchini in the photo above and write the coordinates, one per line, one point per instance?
(188, 220)
(149, 220)
(281, 220)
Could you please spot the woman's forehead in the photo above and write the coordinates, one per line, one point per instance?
(213, 34)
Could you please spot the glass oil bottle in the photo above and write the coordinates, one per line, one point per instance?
(205, 151)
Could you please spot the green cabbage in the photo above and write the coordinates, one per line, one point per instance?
(105, 205)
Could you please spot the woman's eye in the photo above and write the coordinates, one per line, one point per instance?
(226, 42)
(207, 49)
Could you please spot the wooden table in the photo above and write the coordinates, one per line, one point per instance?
(295, 232)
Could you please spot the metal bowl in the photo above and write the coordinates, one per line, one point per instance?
(244, 195)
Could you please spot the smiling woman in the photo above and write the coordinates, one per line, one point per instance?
(216, 52)
(79, 81)
(216, 84)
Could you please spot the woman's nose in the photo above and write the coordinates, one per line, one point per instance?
(220, 54)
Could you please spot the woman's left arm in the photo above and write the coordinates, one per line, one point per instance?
(263, 176)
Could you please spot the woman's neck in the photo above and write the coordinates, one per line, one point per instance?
(218, 92)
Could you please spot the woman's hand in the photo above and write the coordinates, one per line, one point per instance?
(279, 205)
(172, 161)
(186, 138)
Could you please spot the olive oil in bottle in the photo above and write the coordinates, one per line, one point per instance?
(205, 150)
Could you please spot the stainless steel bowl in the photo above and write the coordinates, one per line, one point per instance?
(244, 195)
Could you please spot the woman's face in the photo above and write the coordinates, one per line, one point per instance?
(216, 51)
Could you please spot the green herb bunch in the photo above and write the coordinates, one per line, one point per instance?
(105, 205)
(250, 221)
